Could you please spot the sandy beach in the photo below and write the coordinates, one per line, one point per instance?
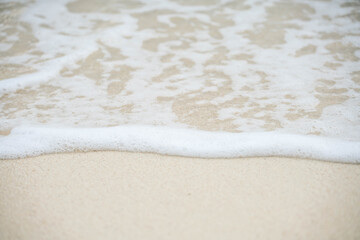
(120, 195)
(73, 71)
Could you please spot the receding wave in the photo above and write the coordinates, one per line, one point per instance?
(32, 141)
(275, 70)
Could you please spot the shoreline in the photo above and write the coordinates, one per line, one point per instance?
(110, 195)
(30, 141)
(161, 155)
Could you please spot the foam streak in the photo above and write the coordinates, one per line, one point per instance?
(32, 141)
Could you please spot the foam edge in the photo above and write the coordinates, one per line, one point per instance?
(27, 141)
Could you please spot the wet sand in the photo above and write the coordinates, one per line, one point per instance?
(117, 195)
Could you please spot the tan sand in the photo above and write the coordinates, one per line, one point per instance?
(114, 195)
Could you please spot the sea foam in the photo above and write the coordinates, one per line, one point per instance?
(32, 141)
(218, 78)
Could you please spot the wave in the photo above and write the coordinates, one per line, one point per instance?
(280, 77)
(32, 141)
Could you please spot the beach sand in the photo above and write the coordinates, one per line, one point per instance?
(120, 195)
(239, 67)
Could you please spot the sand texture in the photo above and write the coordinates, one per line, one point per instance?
(116, 195)
(214, 65)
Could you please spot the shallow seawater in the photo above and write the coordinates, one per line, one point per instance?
(283, 67)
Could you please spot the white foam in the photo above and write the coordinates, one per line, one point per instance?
(33, 141)
(289, 97)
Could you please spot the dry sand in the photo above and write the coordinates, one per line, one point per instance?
(116, 195)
